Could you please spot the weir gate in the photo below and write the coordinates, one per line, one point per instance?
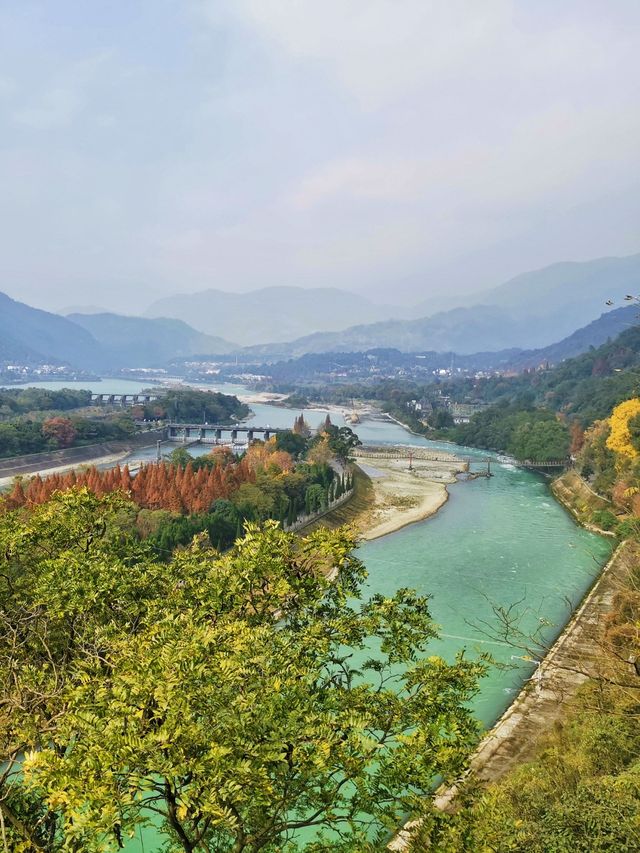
(218, 434)
(123, 399)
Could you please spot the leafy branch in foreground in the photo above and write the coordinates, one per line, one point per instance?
(246, 701)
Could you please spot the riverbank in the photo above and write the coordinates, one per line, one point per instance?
(99, 461)
(579, 499)
(575, 657)
(388, 496)
(60, 461)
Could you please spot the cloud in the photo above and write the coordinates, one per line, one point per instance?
(238, 143)
(64, 97)
(382, 51)
(55, 108)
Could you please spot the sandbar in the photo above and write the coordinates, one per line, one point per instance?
(404, 495)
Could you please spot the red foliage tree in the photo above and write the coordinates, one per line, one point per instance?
(60, 430)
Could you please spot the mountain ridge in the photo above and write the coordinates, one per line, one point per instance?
(525, 317)
(125, 340)
(270, 314)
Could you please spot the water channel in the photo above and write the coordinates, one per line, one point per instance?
(496, 541)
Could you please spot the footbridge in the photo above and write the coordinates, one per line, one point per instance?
(218, 433)
(399, 451)
(544, 464)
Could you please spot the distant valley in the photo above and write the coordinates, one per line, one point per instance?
(530, 313)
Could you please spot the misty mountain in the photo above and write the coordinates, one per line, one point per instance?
(31, 336)
(95, 342)
(607, 326)
(567, 295)
(461, 330)
(141, 342)
(529, 312)
(272, 314)
(316, 366)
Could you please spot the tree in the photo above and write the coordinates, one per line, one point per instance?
(540, 439)
(342, 441)
(620, 438)
(258, 698)
(319, 452)
(291, 442)
(577, 438)
(301, 427)
(441, 419)
(60, 430)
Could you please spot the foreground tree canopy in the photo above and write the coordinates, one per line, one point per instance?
(235, 700)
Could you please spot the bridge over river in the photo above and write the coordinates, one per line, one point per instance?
(123, 399)
(216, 433)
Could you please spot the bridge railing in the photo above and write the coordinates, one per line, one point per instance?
(549, 463)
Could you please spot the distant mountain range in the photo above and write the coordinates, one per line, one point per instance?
(141, 342)
(530, 311)
(607, 327)
(31, 336)
(272, 314)
(96, 341)
(316, 366)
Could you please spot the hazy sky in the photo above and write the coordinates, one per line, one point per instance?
(395, 147)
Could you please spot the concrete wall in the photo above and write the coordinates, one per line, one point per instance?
(53, 458)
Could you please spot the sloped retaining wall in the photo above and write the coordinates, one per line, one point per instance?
(304, 520)
(32, 462)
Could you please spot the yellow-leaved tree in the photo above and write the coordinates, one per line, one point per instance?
(619, 439)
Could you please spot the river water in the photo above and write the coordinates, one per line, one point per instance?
(496, 542)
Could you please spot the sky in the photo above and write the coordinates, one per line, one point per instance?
(403, 149)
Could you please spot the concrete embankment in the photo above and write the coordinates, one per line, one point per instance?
(58, 459)
(575, 657)
(579, 499)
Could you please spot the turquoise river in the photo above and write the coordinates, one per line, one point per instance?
(496, 541)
